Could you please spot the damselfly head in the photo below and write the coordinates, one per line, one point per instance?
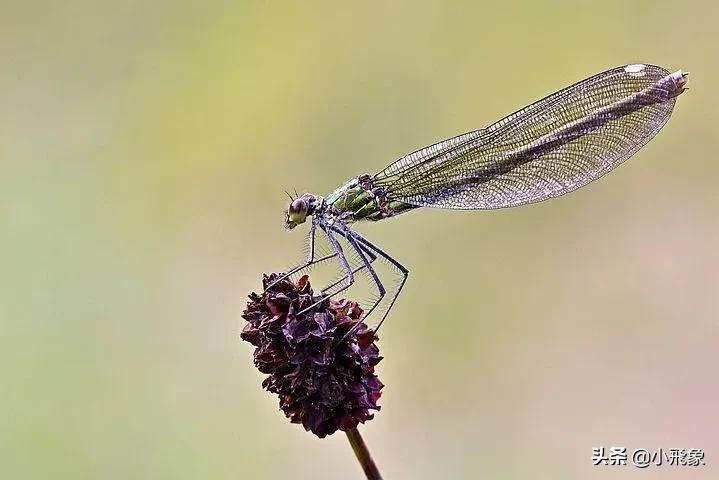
(299, 209)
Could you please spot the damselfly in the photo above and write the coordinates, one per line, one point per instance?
(544, 150)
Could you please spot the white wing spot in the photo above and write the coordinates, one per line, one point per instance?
(635, 69)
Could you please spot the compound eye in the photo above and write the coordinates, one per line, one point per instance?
(298, 207)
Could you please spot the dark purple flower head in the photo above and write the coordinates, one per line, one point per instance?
(324, 378)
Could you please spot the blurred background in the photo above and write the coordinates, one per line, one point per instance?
(145, 147)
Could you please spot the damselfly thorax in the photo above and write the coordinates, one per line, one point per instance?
(357, 200)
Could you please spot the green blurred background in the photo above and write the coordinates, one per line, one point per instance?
(145, 147)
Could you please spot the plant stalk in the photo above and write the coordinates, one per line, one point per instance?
(363, 455)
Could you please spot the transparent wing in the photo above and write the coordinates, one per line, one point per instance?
(549, 148)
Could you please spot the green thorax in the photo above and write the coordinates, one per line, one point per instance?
(358, 200)
(354, 199)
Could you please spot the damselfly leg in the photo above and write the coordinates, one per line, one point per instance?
(348, 272)
(366, 244)
(310, 259)
(371, 257)
(363, 253)
(367, 252)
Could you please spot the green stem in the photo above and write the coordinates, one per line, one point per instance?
(363, 456)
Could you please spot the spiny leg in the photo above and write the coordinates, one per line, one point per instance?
(403, 270)
(349, 274)
(364, 252)
(371, 258)
(310, 259)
